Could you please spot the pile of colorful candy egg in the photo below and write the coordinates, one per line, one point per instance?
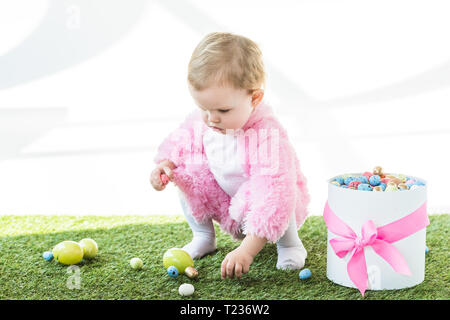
(377, 180)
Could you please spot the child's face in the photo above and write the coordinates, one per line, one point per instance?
(226, 107)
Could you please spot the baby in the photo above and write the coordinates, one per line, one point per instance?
(218, 160)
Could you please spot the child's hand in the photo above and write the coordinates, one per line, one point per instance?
(236, 263)
(239, 260)
(162, 174)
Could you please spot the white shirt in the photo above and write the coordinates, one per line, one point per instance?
(225, 163)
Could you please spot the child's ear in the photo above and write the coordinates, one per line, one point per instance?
(257, 96)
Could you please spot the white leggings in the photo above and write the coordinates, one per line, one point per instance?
(206, 229)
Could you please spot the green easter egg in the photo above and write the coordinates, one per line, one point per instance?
(178, 258)
(136, 263)
(68, 252)
(90, 248)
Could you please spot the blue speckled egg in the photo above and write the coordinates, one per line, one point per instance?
(375, 180)
(364, 187)
(340, 180)
(172, 271)
(382, 185)
(304, 274)
(362, 179)
(47, 255)
(348, 180)
(427, 249)
(419, 183)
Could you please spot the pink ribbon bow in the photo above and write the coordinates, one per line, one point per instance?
(379, 239)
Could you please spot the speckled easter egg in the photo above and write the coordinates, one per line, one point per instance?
(354, 184)
(367, 174)
(375, 180)
(364, 187)
(362, 179)
(136, 263)
(391, 187)
(402, 186)
(378, 170)
(397, 181)
(304, 274)
(47, 255)
(172, 271)
(348, 180)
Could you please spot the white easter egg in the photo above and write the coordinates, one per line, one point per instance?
(186, 289)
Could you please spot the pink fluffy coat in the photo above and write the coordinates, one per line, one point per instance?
(263, 204)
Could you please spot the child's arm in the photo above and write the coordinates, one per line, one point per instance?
(239, 260)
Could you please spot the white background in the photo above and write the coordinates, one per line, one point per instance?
(89, 89)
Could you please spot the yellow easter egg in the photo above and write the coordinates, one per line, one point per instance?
(89, 247)
(178, 258)
(68, 252)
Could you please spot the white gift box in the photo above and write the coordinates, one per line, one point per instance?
(355, 207)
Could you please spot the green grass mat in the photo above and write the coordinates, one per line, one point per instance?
(24, 274)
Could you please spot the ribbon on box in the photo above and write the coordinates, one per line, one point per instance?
(379, 238)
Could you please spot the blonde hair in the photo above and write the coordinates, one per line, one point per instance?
(223, 58)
